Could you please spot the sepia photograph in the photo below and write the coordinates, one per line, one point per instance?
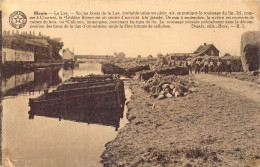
(148, 83)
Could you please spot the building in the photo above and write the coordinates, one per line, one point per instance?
(67, 54)
(206, 49)
(178, 56)
(41, 48)
(16, 56)
(44, 48)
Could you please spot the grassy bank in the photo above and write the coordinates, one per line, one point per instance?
(211, 127)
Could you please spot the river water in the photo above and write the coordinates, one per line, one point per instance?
(45, 141)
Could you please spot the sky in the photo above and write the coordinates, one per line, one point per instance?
(133, 42)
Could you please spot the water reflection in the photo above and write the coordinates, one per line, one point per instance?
(102, 117)
(16, 83)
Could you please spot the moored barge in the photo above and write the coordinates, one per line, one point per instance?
(82, 93)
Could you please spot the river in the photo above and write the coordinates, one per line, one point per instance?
(46, 141)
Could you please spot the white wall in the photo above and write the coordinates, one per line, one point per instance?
(11, 55)
(67, 55)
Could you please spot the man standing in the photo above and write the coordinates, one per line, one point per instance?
(219, 66)
(228, 66)
(211, 66)
(206, 66)
(189, 66)
(197, 69)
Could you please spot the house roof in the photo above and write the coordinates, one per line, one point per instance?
(67, 50)
(203, 48)
(37, 42)
(193, 54)
(179, 54)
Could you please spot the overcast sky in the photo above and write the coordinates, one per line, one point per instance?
(180, 39)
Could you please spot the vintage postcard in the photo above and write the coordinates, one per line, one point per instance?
(130, 83)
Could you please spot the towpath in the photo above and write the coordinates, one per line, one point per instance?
(248, 89)
(215, 126)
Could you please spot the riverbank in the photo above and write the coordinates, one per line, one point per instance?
(29, 66)
(212, 127)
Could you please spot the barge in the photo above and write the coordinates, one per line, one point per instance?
(82, 94)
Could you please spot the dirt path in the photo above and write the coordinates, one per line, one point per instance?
(248, 89)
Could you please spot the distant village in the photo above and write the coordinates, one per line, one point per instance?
(40, 48)
(27, 47)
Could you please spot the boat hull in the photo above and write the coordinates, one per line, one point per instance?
(81, 96)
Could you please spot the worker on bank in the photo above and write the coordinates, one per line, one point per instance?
(219, 66)
(211, 66)
(31, 114)
(206, 66)
(228, 66)
(197, 68)
(189, 65)
(172, 63)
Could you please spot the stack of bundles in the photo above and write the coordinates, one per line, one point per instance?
(144, 75)
(174, 71)
(147, 61)
(131, 63)
(147, 74)
(249, 50)
(236, 63)
(132, 70)
(131, 67)
(126, 67)
(124, 61)
(161, 61)
(152, 82)
(93, 77)
(252, 56)
(162, 86)
(108, 68)
(87, 81)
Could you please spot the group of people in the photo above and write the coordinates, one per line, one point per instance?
(208, 65)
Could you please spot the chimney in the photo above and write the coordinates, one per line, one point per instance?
(205, 44)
